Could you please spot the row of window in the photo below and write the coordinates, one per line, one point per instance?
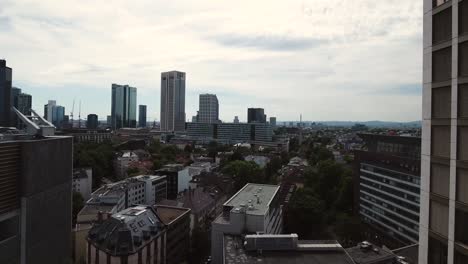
(413, 216)
(413, 198)
(395, 217)
(442, 22)
(442, 63)
(396, 184)
(374, 218)
(393, 174)
(399, 201)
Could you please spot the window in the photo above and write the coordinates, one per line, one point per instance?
(461, 228)
(462, 185)
(440, 178)
(440, 141)
(462, 143)
(463, 17)
(442, 65)
(463, 59)
(463, 101)
(460, 258)
(441, 102)
(442, 26)
(9, 228)
(438, 220)
(437, 252)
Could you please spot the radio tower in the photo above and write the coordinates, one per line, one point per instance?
(71, 113)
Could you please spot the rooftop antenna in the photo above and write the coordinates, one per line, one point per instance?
(300, 131)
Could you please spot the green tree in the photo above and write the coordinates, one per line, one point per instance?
(244, 172)
(188, 148)
(271, 169)
(305, 214)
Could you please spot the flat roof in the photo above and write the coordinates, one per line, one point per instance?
(234, 253)
(363, 256)
(169, 214)
(256, 198)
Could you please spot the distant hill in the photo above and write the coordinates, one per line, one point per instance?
(383, 124)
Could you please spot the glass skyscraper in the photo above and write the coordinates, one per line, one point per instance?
(142, 115)
(123, 110)
(173, 101)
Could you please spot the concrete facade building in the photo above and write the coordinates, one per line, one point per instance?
(208, 109)
(443, 236)
(387, 187)
(178, 179)
(273, 121)
(231, 133)
(173, 101)
(254, 208)
(83, 182)
(142, 116)
(134, 235)
(177, 221)
(123, 108)
(48, 110)
(35, 199)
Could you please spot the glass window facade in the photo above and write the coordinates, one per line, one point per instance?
(123, 112)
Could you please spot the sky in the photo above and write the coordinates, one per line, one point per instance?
(325, 59)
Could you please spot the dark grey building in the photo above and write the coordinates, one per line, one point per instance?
(25, 103)
(173, 101)
(5, 94)
(256, 115)
(231, 133)
(208, 109)
(142, 116)
(92, 121)
(387, 188)
(35, 199)
(123, 110)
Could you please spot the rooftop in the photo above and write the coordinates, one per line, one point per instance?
(169, 214)
(255, 198)
(127, 231)
(366, 253)
(286, 249)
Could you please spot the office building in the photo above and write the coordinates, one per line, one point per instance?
(254, 208)
(15, 92)
(134, 235)
(83, 182)
(92, 121)
(273, 121)
(35, 199)
(58, 115)
(256, 115)
(142, 116)
(48, 110)
(443, 236)
(208, 109)
(5, 94)
(24, 103)
(123, 109)
(177, 221)
(173, 101)
(231, 133)
(178, 179)
(387, 188)
(87, 135)
(236, 120)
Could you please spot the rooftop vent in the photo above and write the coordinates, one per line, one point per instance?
(365, 245)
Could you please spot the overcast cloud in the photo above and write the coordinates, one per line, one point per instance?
(326, 59)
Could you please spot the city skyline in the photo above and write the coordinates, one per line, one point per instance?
(265, 64)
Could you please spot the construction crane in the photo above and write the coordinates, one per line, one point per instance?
(71, 113)
(79, 116)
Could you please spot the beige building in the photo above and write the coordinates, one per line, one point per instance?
(443, 234)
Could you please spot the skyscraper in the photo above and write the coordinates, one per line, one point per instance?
(48, 110)
(24, 103)
(256, 115)
(5, 94)
(208, 109)
(92, 121)
(142, 115)
(123, 106)
(58, 115)
(173, 101)
(443, 234)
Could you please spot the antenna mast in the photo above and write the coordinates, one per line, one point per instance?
(79, 116)
(71, 113)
